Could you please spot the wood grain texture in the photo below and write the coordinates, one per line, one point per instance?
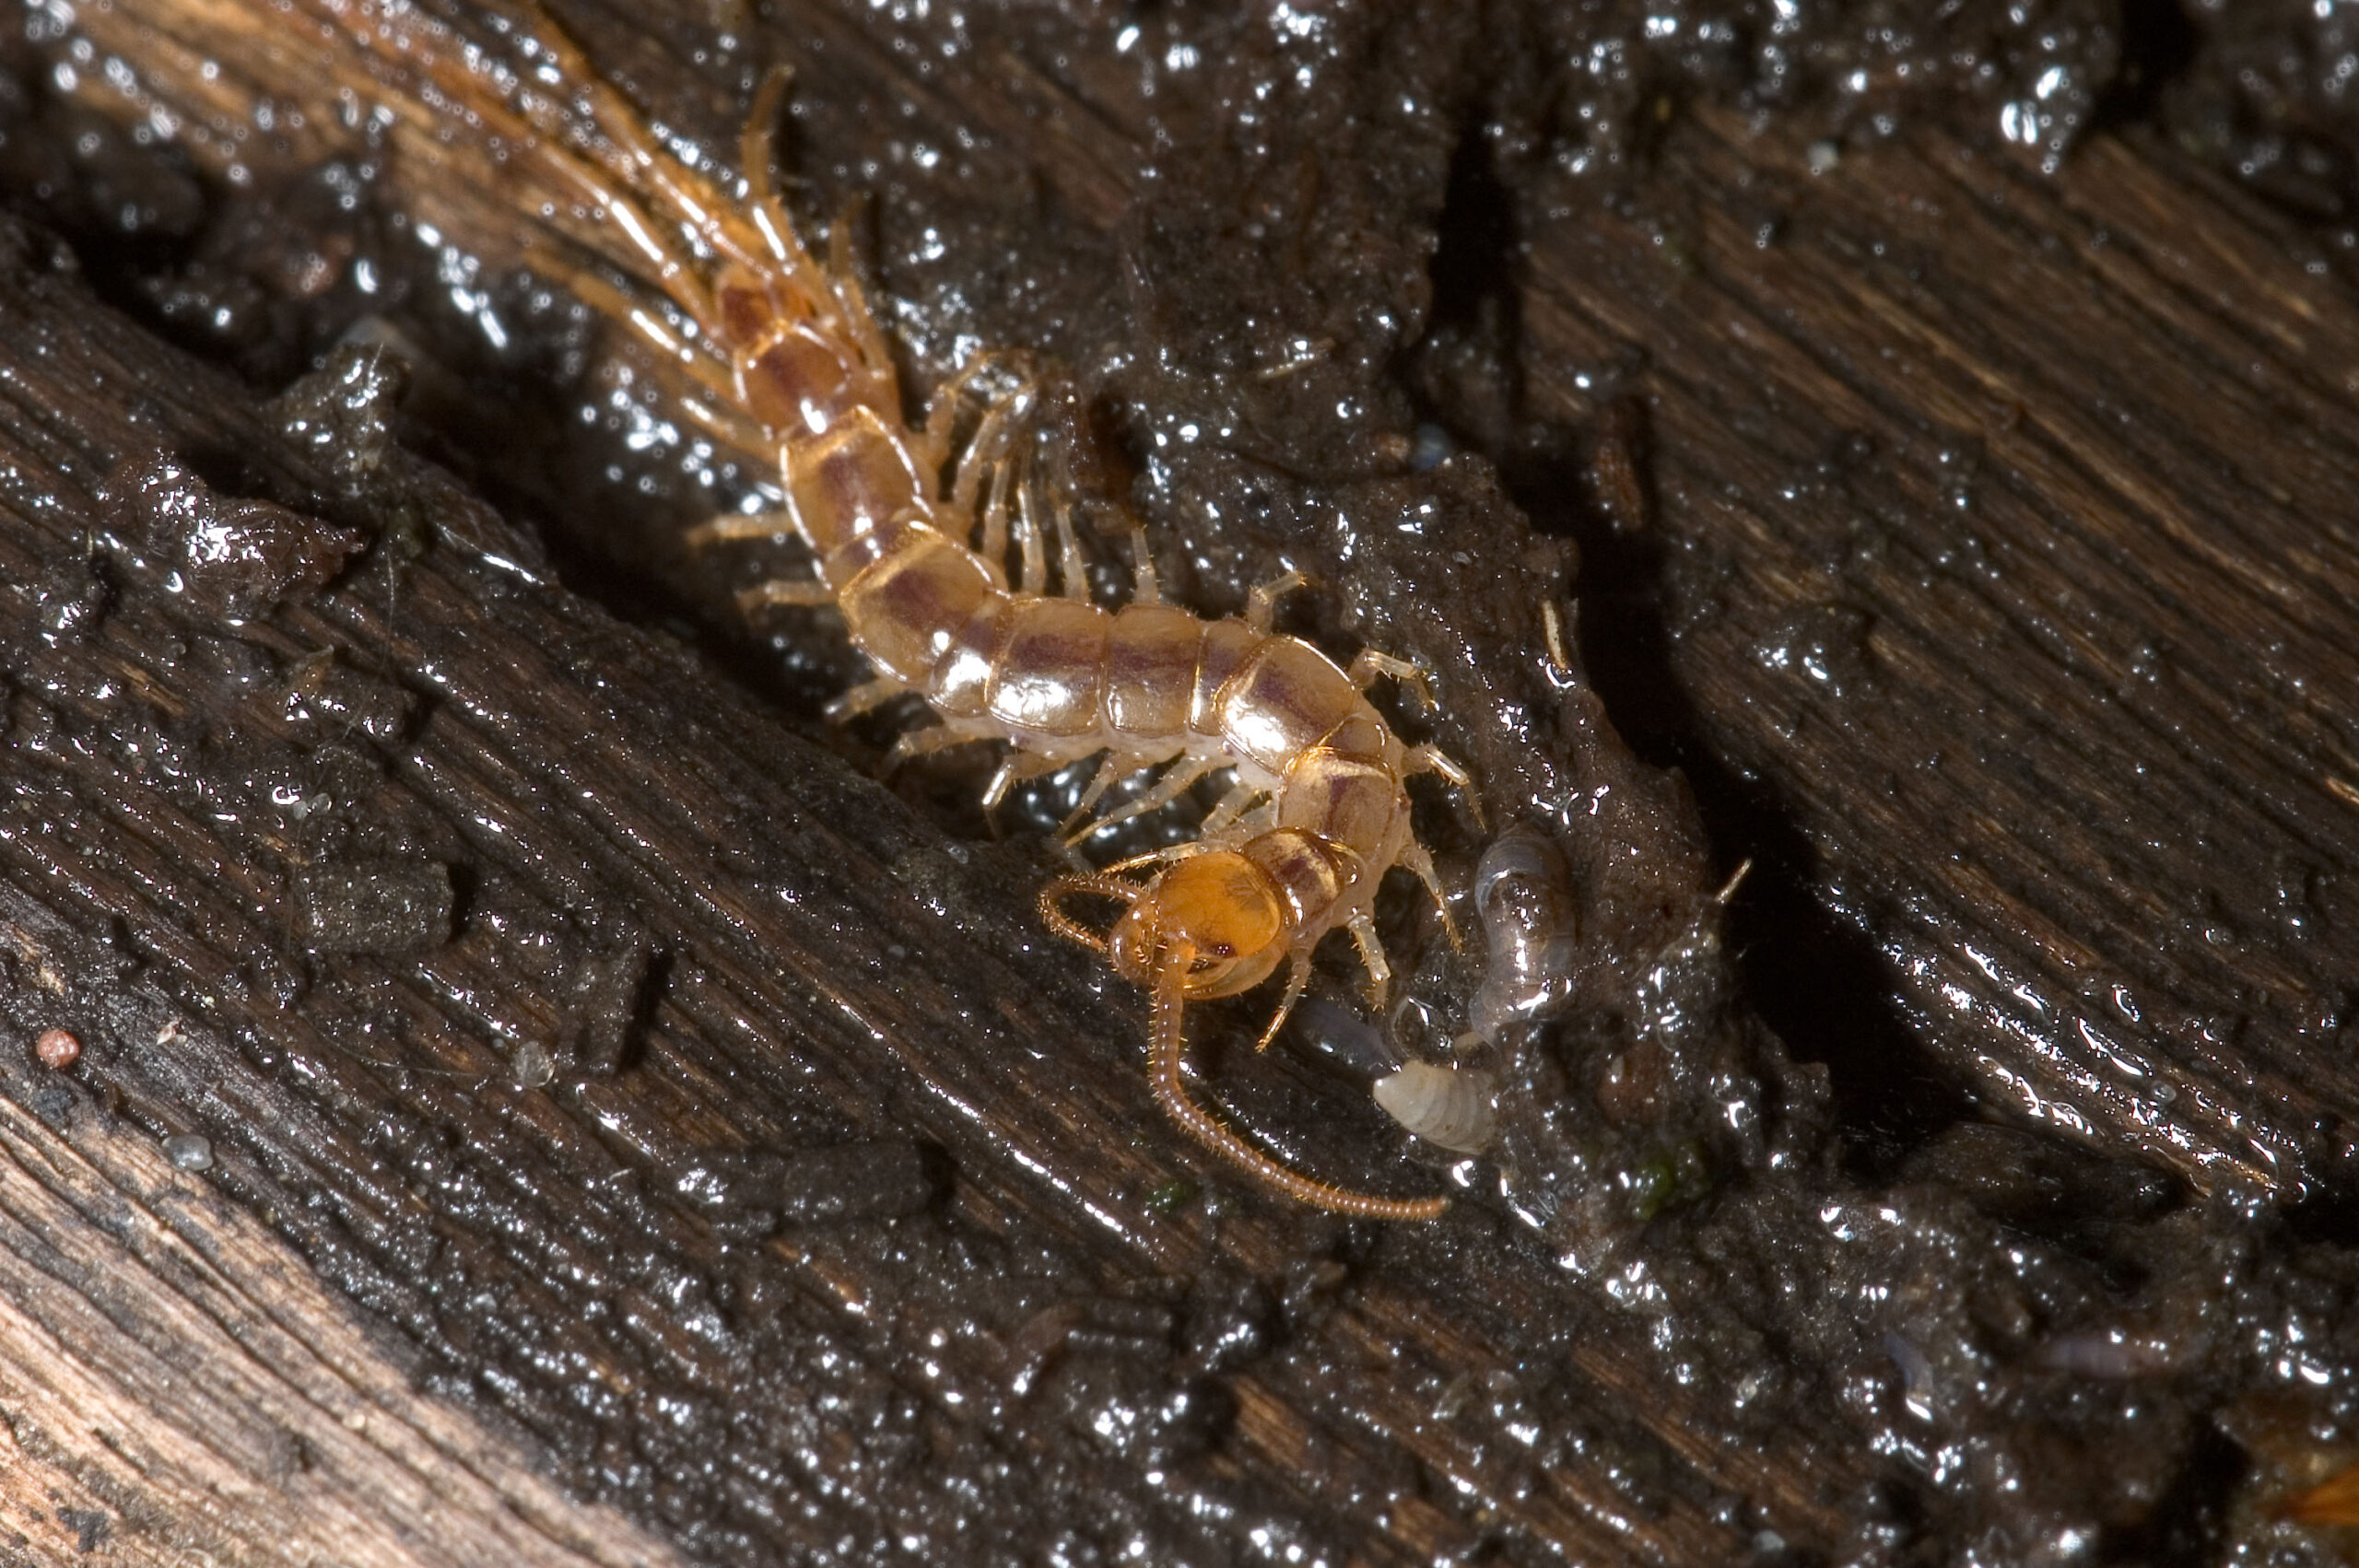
(542, 1249)
(1996, 559)
(182, 1389)
(2012, 551)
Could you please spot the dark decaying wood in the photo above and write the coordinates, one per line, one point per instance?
(672, 1146)
(2012, 551)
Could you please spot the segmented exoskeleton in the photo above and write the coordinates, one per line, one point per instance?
(913, 548)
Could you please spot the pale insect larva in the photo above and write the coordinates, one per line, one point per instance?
(912, 546)
(1523, 897)
(1449, 1107)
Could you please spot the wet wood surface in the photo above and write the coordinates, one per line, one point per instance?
(2010, 553)
(1995, 556)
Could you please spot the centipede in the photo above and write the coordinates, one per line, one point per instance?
(913, 526)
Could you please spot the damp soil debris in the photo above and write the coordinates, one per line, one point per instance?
(2001, 1347)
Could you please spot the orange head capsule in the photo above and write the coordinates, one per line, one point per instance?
(1220, 908)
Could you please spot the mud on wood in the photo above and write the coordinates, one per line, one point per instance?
(1992, 607)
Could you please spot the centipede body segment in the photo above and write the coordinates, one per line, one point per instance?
(913, 535)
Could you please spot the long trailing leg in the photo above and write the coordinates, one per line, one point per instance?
(697, 357)
(711, 215)
(1167, 1076)
(757, 152)
(843, 283)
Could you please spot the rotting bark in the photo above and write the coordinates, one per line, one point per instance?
(676, 1283)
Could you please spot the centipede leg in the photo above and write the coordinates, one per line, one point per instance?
(1116, 765)
(862, 698)
(1166, 790)
(1015, 769)
(1433, 759)
(808, 594)
(1231, 807)
(926, 742)
(1261, 604)
(1371, 946)
(1297, 976)
(1372, 666)
(1418, 861)
(737, 528)
(1167, 1076)
(1145, 589)
(1031, 542)
(1070, 568)
(941, 411)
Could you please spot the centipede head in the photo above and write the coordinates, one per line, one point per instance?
(1219, 908)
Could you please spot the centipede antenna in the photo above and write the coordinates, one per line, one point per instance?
(1157, 857)
(1095, 883)
(1167, 1077)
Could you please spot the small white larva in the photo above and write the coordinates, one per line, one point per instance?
(1448, 1107)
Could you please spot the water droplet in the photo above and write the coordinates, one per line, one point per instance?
(189, 1151)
